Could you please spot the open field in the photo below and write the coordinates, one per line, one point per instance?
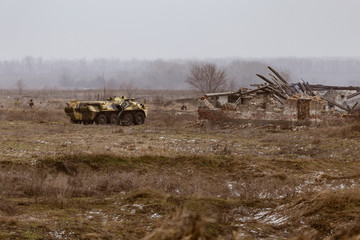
(174, 176)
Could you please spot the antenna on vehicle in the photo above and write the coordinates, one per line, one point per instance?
(104, 83)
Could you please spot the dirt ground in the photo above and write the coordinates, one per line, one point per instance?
(174, 177)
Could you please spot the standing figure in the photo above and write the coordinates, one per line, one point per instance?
(31, 103)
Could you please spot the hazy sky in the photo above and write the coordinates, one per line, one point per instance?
(151, 29)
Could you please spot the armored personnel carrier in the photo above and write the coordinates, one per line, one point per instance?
(118, 110)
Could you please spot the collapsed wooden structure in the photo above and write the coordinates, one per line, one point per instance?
(278, 100)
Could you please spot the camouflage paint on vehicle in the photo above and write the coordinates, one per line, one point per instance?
(113, 111)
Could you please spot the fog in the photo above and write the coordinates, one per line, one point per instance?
(39, 73)
(162, 29)
(69, 44)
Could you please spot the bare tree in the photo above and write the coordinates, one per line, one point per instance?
(233, 85)
(206, 78)
(129, 88)
(159, 101)
(20, 86)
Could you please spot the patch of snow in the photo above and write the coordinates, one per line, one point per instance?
(58, 234)
(155, 215)
(138, 206)
(261, 213)
(94, 212)
(275, 219)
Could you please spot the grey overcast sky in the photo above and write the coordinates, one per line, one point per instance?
(168, 29)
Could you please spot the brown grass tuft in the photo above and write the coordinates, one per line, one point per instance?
(7, 206)
(348, 234)
(183, 226)
(347, 131)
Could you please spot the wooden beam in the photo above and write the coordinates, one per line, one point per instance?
(265, 79)
(278, 75)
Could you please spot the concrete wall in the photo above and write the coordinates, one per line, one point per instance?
(265, 107)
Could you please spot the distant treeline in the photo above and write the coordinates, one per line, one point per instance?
(38, 73)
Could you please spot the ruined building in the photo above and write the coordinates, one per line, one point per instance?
(277, 100)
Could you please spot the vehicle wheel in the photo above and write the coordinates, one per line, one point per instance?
(101, 119)
(127, 119)
(74, 121)
(114, 119)
(139, 118)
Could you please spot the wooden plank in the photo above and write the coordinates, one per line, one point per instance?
(353, 95)
(337, 105)
(309, 89)
(320, 87)
(353, 107)
(278, 75)
(275, 91)
(284, 86)
(265, 79)
(255, 90)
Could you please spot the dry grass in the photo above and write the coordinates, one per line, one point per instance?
(183, 226)
(174, 177)
(238, 194)
(32, 115)
(351, 131)
(55, 180)
(327, 212)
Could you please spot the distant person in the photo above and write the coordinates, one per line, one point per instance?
(31, 103)
(16, 103)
